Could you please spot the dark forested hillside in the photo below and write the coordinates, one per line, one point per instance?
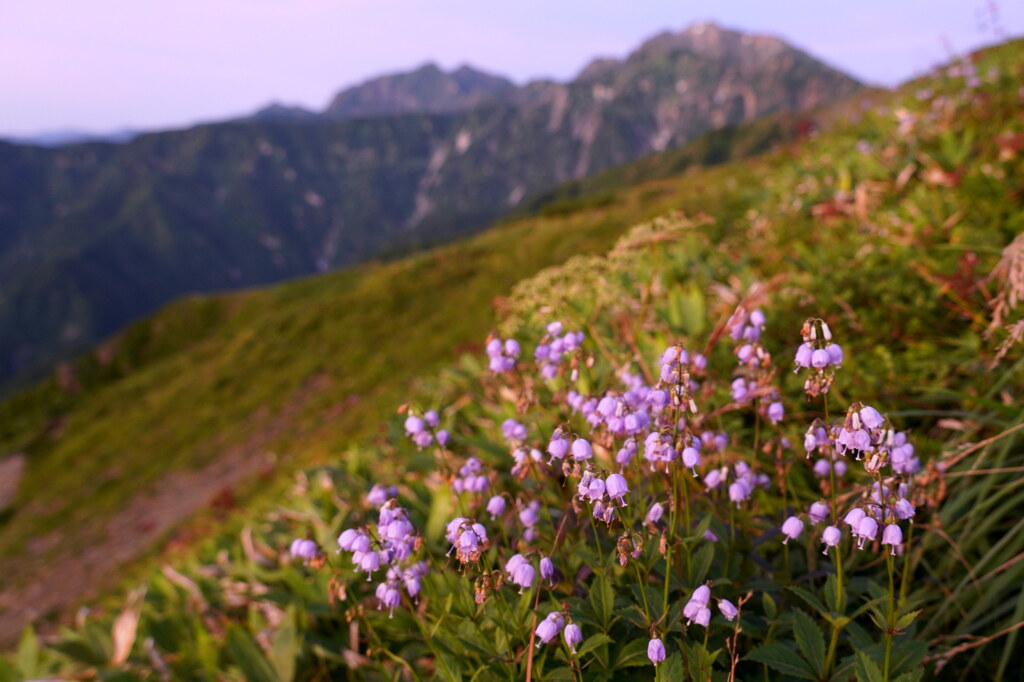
(95, 235)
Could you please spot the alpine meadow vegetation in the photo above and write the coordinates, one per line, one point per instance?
(779, 442)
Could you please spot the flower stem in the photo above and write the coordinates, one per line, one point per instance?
(643, 591)
(889, 622)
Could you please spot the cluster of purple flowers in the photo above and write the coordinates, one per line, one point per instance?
(744, 482)
(865, 434)
(304, 549)
(604, 493)
(555, 347)
(696, 610)
(470, 478)
(502, 354)
(379, 494)
(529, 516)
(423, 430)
(746, 326)
(388, 592)
(392, 544)
(884, 508)
(677, 372)
(520, 572)
(819, 354)
(468, 539)
(755, 365)
(548, 628)
(513, 431)
(818, 440)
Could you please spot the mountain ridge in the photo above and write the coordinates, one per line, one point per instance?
(96, 235)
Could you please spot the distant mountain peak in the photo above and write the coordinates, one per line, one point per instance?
(708, 39)
(427, 89)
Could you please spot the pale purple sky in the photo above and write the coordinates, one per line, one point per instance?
(105, 64)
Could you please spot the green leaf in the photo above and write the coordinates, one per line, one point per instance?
(835, 620)
(878, 618)
(440, 511)
(8, 673)
(285, 647)
(27, 658)
(768, 604)
(632, 655)
(906, 619)
(593, 642)
(811, 600)
(602, 600)
(449, 666)
(672, 668)
(780, 657)
(907, 654)
(912, 676)
(79, 649)
(810, 640)
(830, 594)
(702, 562)
(563, 674)
(867, 669)
(248, 656)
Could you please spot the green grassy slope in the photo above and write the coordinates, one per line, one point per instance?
(295, 370)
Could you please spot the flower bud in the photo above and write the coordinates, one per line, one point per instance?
(581, 450)
(791, 528)
(892, 535)
(573, 636)
(656, 651)
(831, 537)
(617, 487)
(818, 513)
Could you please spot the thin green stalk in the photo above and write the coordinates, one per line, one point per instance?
(904, 582)
(834, 641)
(643, 590)
(889, 621)
(668, 575)
(686, 511)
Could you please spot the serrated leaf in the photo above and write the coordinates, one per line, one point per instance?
(780, 657)
(593, 642)
(768, 604)
(878, 619)
(672, 668)
(907, 654)
(248, 656)
(906, 619)
(867, 670)
(810, 640)
(562, 674)
(811, 600)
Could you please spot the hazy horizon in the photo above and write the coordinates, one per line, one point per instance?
(146, 70)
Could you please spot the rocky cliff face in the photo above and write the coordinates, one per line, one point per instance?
(94, 235)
